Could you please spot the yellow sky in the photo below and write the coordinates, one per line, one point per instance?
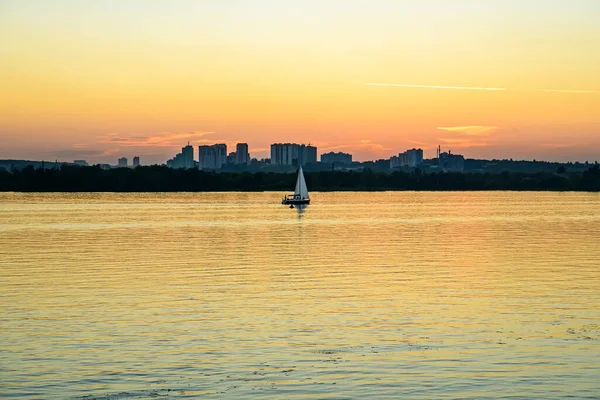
(102, 79)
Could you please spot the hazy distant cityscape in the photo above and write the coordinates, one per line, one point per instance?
(286, 157)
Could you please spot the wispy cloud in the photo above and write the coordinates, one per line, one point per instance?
(570, 91)
(436, 87)
(471, 130)
(365, 145)
(78, 152)
(468, 135)
(422, 145)
(557, 145)
(494, 89)
(253, 150)
(464, 142)
(155, 140)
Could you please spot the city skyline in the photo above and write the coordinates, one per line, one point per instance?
(488, 79)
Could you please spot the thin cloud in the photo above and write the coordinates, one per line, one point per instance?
(495, 89)
(258, 150)
(436, 87)
(570, 91)
(468, 136)
(157, 140)
(79, 152)
(463, 142)
(421, 145)
(471, 130)
(362, 145)
(556, 145)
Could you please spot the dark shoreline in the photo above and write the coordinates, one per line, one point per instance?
(162, 179)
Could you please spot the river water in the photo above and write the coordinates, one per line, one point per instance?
(454, 295)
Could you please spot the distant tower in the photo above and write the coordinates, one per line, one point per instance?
(136, 161)
(241, 154)
(188, 156)
(122, 162)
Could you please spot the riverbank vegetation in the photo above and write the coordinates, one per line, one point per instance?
(163, 179)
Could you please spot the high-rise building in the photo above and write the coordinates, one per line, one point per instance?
(409, 159)
(339, 158)
(242, 157)
(136, 161)
(221, 154)
(308, 154)
(122, 162)
(185, 159)
(284, 154)
(292, 154)
(188, 156)
(212, 157)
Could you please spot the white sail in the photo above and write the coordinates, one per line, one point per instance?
(301, 189)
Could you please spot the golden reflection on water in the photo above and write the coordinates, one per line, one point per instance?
(387, 295)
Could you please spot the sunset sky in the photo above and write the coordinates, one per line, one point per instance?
(97, 80)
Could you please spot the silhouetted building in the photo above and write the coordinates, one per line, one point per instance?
(188, 156)
(122, 162)
(284, 154)
(449, 162)
(185, 159)
(177, 161)
(231, 158)
(136, 161)
(83, 163)
(409, 159)
(308, 154)
(337, 158)
(292, 154)
(242, 157)
(212, 157)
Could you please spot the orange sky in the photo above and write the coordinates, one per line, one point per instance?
(97, 80)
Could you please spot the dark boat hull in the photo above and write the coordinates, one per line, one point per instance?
(295, 201)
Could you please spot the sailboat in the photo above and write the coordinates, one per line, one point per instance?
(300, 195)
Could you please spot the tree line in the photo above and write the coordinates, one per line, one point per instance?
(163, 179)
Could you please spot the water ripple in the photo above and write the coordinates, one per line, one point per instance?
(361, 295)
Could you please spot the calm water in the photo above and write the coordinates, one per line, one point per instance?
(361, 295)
